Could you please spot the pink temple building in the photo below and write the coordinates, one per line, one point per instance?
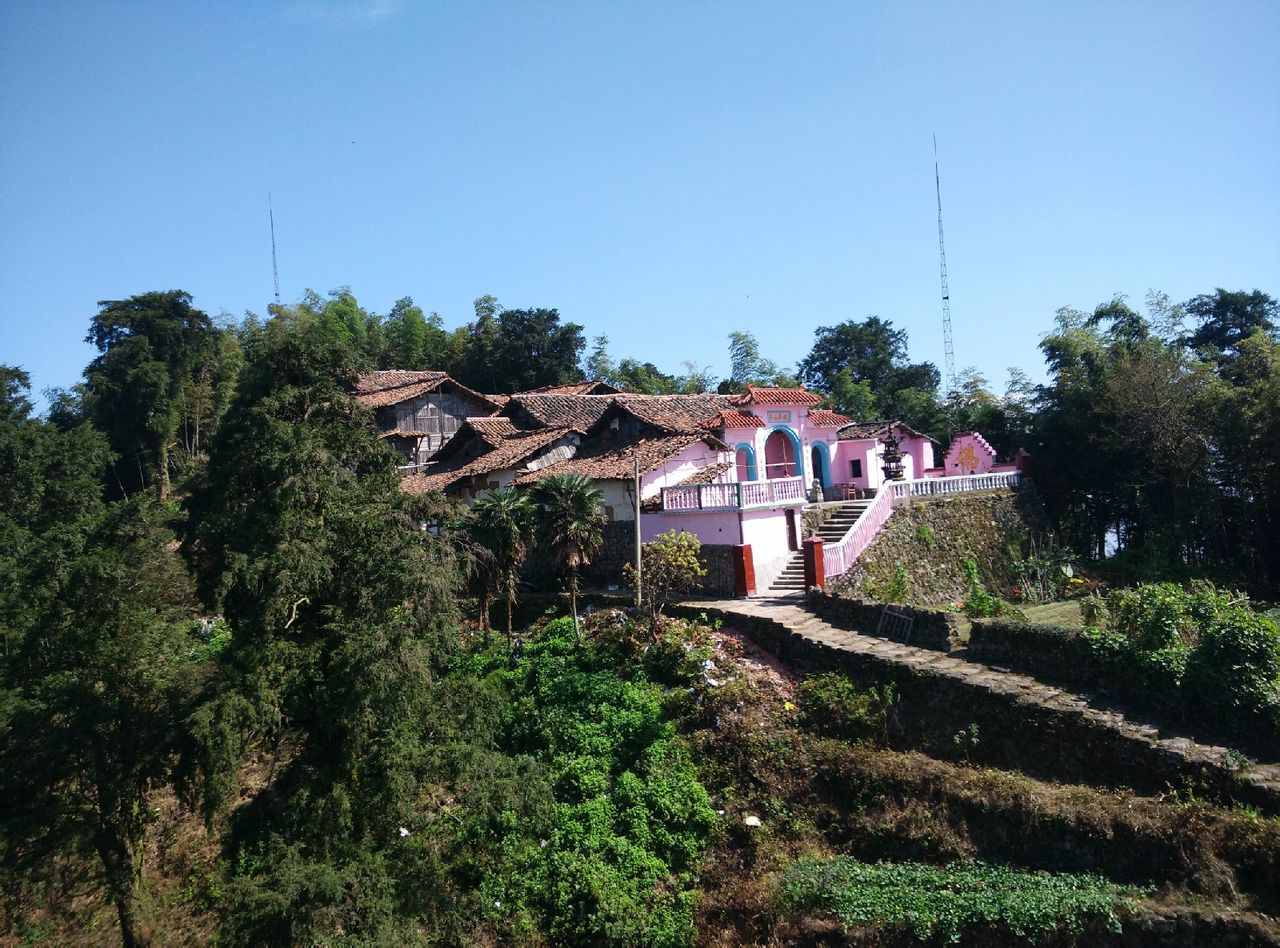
(734, 470)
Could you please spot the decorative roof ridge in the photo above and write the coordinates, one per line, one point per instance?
(975, 435)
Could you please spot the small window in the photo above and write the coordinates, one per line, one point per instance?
(855, 469)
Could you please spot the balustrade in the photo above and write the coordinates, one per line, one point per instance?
(744, 495)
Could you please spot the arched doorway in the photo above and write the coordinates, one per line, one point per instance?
(745, 458)
(781, 454)
(821, 462)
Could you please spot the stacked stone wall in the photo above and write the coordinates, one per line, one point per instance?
(926, 628)
(1018, 724)
(931, 539)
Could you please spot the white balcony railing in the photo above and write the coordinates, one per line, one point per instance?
(839, 557)
(745, 495)
(935, 486)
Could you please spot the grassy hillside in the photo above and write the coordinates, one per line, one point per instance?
(685, 788)
(918, 557)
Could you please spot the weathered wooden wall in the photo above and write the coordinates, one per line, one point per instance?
(438, 415)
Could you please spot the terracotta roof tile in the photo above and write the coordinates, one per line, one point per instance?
(821, 418)
(492, 430)
(732, 418)
(393, 386)
(510, 451)
(574, 411)
(861, 430)
(612, 461)
(778, 396)
(707, 475)
(394, 378)
(686, 413)
(593, 387)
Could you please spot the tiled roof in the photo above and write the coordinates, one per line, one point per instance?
(821, 418)
(778, 396)
(509, 452)
(686, 413)
(612, 461)
(706, 475)
(401, 433)
(594, 387)
(393, 386)
(572, 411)
(393, 378)
(492, 430)
(732, 418)
(861, 430)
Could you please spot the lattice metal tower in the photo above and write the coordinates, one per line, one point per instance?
(949, 350)
(275, 274)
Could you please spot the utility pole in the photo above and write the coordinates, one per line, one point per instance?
(635, 462)
(949, 352)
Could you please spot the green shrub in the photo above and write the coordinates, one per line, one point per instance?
(1199, 654)
(1160, 615)
(1094, 611)
(1043, 574)
(670, 566)
(944, 902)
(924, 533)
(832, 705)
(980, 604)
(1234, 673)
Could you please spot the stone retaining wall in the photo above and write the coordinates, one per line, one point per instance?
(1063, 656)
(718, 562)
(926, 628)
(1021, 724)
(619, 549)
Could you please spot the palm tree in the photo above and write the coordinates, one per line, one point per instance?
(502, 521)
(571, 523)
(477, 565)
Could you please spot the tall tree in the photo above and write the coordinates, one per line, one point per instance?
(342, 615)
(151, 347)
(518, 349)
(99, 664)
(1228, 318)
(415, 340)
(873, 352)
(570, 520)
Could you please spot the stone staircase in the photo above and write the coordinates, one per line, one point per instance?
(833, 529)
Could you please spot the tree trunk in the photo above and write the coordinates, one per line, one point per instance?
(122, 872)
(573, 604)
(510, 604)
(162, 476)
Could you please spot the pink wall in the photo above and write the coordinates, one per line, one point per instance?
(692, 459)
(719, 529)
(969, 454)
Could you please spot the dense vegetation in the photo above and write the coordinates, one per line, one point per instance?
(215, 600)
(946, 901)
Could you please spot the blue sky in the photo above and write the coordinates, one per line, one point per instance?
(661, 173)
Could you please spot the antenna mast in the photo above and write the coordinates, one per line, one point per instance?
(948, 346)
(275, 274)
